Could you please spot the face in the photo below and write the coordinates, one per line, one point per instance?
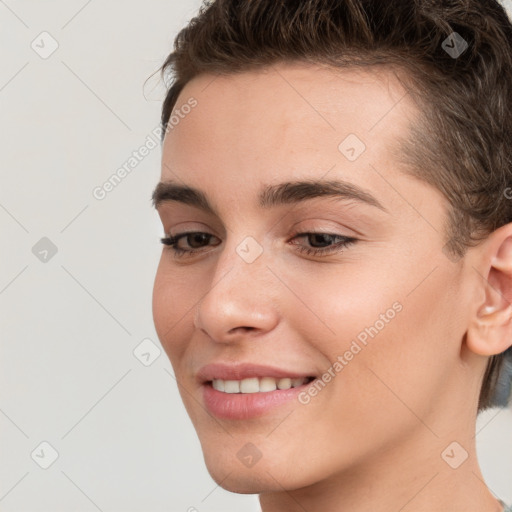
(346, 283)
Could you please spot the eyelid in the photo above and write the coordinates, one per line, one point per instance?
(338, 230)
(316, 252)
(325, 213)
(190, 227)
(329, 227)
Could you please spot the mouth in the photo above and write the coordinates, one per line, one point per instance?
(258, 384)
(243, 390)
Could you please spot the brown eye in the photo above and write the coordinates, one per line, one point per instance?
(197, 238)
(195, 241)
(322, 243)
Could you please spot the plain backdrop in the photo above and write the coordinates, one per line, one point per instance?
(85, 387)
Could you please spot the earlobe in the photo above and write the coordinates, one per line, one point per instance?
(490, 332)
(486, 310)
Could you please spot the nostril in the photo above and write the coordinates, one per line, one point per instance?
(242, 327)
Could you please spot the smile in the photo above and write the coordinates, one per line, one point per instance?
(258, 384)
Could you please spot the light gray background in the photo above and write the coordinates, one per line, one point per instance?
(69, 325)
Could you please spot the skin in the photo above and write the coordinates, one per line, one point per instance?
(373, 438)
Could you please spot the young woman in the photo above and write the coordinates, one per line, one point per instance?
(335, 288)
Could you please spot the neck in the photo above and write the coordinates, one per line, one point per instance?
(411, 477)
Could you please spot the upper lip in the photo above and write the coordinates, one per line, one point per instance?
(241, 371)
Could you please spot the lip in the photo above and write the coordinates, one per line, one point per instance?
(241, 371)
(243, 406)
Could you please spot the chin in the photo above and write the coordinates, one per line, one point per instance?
(245, 480)
(266, 475)
(249, 483)
(231, 472)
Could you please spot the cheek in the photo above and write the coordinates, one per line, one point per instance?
(398, 342)
(173, 308)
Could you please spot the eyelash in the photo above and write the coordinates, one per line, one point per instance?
(172, 242)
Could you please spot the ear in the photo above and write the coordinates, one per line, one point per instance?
(490, 329)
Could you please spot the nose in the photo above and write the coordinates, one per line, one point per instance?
(240, 300)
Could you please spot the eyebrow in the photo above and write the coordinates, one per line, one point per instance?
(270, 196)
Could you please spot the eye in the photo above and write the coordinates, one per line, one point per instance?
(323, 243)
(195, 239)
(317, 238)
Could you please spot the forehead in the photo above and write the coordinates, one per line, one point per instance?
(288, 120)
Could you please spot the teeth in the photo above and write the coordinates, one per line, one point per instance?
(249, 386)
(297, 382)
(257, 385)
(284, 383)
(231, 386)
(218, 384)
(268, 384)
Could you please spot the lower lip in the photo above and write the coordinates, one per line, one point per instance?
(243, 406)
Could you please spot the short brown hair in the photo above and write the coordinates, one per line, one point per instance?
(462, 143)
